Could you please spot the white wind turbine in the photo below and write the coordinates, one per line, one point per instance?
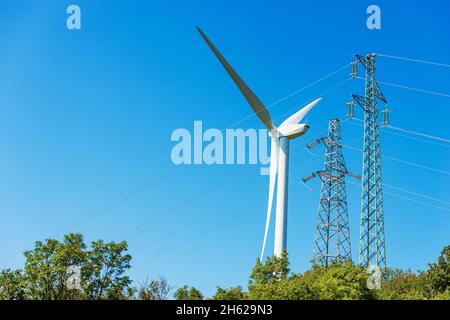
(291, 128)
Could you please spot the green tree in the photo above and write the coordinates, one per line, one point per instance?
(155, 289)
(338, 281)
(403, 286)
(188, 293)
(438, 274)
(103, 267)
(443, 296)
(102, 270)
(233, 293)
(46, 268)
(431, 284)
(272, 280)
(12, 285)
(272, 270)
(268, 279)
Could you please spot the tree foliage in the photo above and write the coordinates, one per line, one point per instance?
(12, 285)
(438, 274)
(403, 286)
(103, 270)
(155, 289)
(272, 270)
(233, 293)
(46, 272)
(431, 284)
(188, 293)
(339, 281)
(104, 273)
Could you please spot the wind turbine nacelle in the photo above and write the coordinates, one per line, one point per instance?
(293, 131)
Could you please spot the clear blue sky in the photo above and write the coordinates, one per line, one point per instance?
(80, 111)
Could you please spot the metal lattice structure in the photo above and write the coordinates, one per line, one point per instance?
(372, 250)
(332, 239)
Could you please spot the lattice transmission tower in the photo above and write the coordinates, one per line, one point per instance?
(372, 251)
(332, 239)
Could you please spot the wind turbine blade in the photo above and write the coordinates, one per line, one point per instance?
(251, 98)
(274, 151)
(299, 115)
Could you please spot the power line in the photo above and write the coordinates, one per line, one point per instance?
(420, 134)
(309, 85)
(128, 177)
(409, 199)
(402, 135)
(295, 93)
(194, 200)
(220, 223)
(446, 95)
(416, 194)
(417, 165)
(425, 135)
(417, 201)
(102, 210)
(405, 162)
(322, 94)
(415, 89)
(417, 139)
(414, 60)
(349, 145)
